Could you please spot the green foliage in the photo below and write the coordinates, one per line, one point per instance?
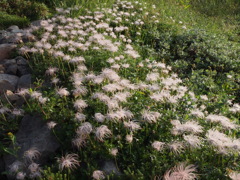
(49, 175)
(25, 8)
(7, 20)
(202, 53)
(207, 63)
(216, 7)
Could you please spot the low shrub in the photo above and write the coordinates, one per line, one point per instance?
(7, 20)
(24, 8)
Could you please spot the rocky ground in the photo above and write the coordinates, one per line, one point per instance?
(15, 74)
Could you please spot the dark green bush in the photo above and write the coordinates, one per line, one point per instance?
(197, 49)
(24, 8)
(202, 59)
(7, 20)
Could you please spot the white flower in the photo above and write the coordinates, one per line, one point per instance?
(15, 167)
(234, 175)
(80, 104)
(114, 151)
(204, 97)
(132, 125)
(189, 126)
(32, 154)
(110, 74)
(63, 92)
(80, 117)
(192, 140)
(197, 113)
(79, 141)
(85, 129)
(150, 116)
(98, 175)
(152, 77)
(51, 124)
(70, 161)
(157, 145)
(129, 138)
(224, 121)
(51, 71)
(20, 175)
(176, 147)
(99, 117)
(181, 172)
(102, 132)
(35, 94)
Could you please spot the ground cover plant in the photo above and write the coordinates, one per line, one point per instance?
(110, 90)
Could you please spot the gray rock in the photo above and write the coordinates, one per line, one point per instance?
(5, 85)
(9, 62)
(14, 39)
(2, 69)
(23, 70)
(25, 81)
(23, 67)
(21, 61)
(3, 34)
(2, 168)
(13, 80)
(33, 133)
(5, 50)
(12, 69)
(28, 37)
(10, 96)
(109, 167)
(12, 28)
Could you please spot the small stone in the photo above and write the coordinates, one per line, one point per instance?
(5, 50)
(10, 96)
(2, 69)
(5, 85)
(12, 69)
(25, 81)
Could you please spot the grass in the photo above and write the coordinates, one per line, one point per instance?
(156, 120)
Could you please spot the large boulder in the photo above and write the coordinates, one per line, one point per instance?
(5, 50)
(33, 133)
